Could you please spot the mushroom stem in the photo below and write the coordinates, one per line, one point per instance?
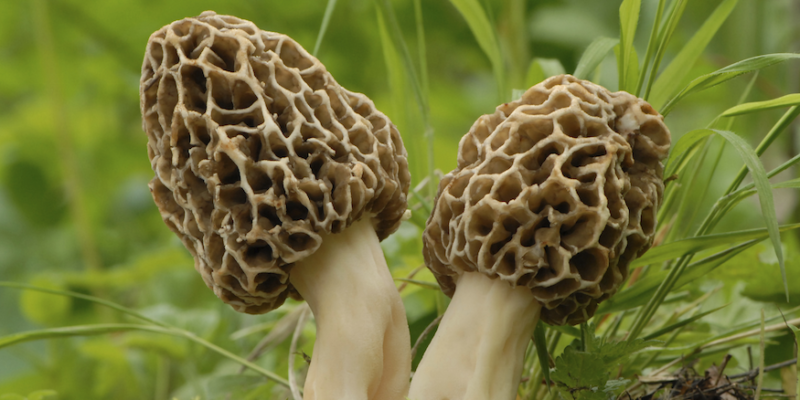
(362, 350)
(479, 348)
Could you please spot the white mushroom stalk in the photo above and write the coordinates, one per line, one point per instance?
(553, 197)
(479, 347)
(361, 322)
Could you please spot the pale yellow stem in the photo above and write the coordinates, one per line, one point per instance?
(363, 347)
(479, 348)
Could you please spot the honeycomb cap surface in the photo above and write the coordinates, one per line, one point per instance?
(258, 152)
(557, 191)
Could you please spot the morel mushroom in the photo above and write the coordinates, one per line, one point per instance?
(553, 197)
(281, 183)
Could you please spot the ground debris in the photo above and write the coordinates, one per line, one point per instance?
(713, 384)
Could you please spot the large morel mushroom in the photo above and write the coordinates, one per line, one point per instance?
(553, 196)
(281, 183)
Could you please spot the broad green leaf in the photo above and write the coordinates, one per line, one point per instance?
(697, 244)
(746, 108)
(678, 156)
(324, 28)
(681, 323)
(639, 293)
(541, 69)
(675, 73)
(727, 73)
(764, 190)
(541, 351)
(593, 56)
(628, 20)
(484, 33)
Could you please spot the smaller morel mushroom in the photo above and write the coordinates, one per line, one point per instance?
(281, 183)
(553, 197)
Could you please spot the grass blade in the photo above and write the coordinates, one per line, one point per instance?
(675, 13)
(680, 324)
(627, 62)
(643, 290)
(593, 56)
(764, 190)
(679, 155)
(697, 244)
(423, 284)
(391, 29)
(80, 330)
(100, 329)
(761, 355)
(651, 45)
(541, 69)
(96, 300)
(541, 351)
(326, 19)
(484, 33)
(746, 108)
(724, 74)
(779, 127)
(675, 73)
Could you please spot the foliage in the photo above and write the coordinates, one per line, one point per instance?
(88, 265)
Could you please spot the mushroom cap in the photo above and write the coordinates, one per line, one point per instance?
(557, 191)
(258, 152)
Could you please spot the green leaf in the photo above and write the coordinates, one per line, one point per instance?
(593, 56)
(724, 74)
(694, 245)
(628, 20)
(746, 108)
(583, 375)
(541, 69)
(764, 190)
(326, 19)
(675, 73)
(484, 33)
(541, 351)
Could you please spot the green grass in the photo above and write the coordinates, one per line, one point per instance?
(139, 318)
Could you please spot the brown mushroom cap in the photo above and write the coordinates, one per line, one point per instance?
(557, 191)
(258, 152)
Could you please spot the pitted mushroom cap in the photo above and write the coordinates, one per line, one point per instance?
(557, 191)
(257, 152)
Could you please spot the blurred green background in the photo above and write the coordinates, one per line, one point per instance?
(76, 213)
